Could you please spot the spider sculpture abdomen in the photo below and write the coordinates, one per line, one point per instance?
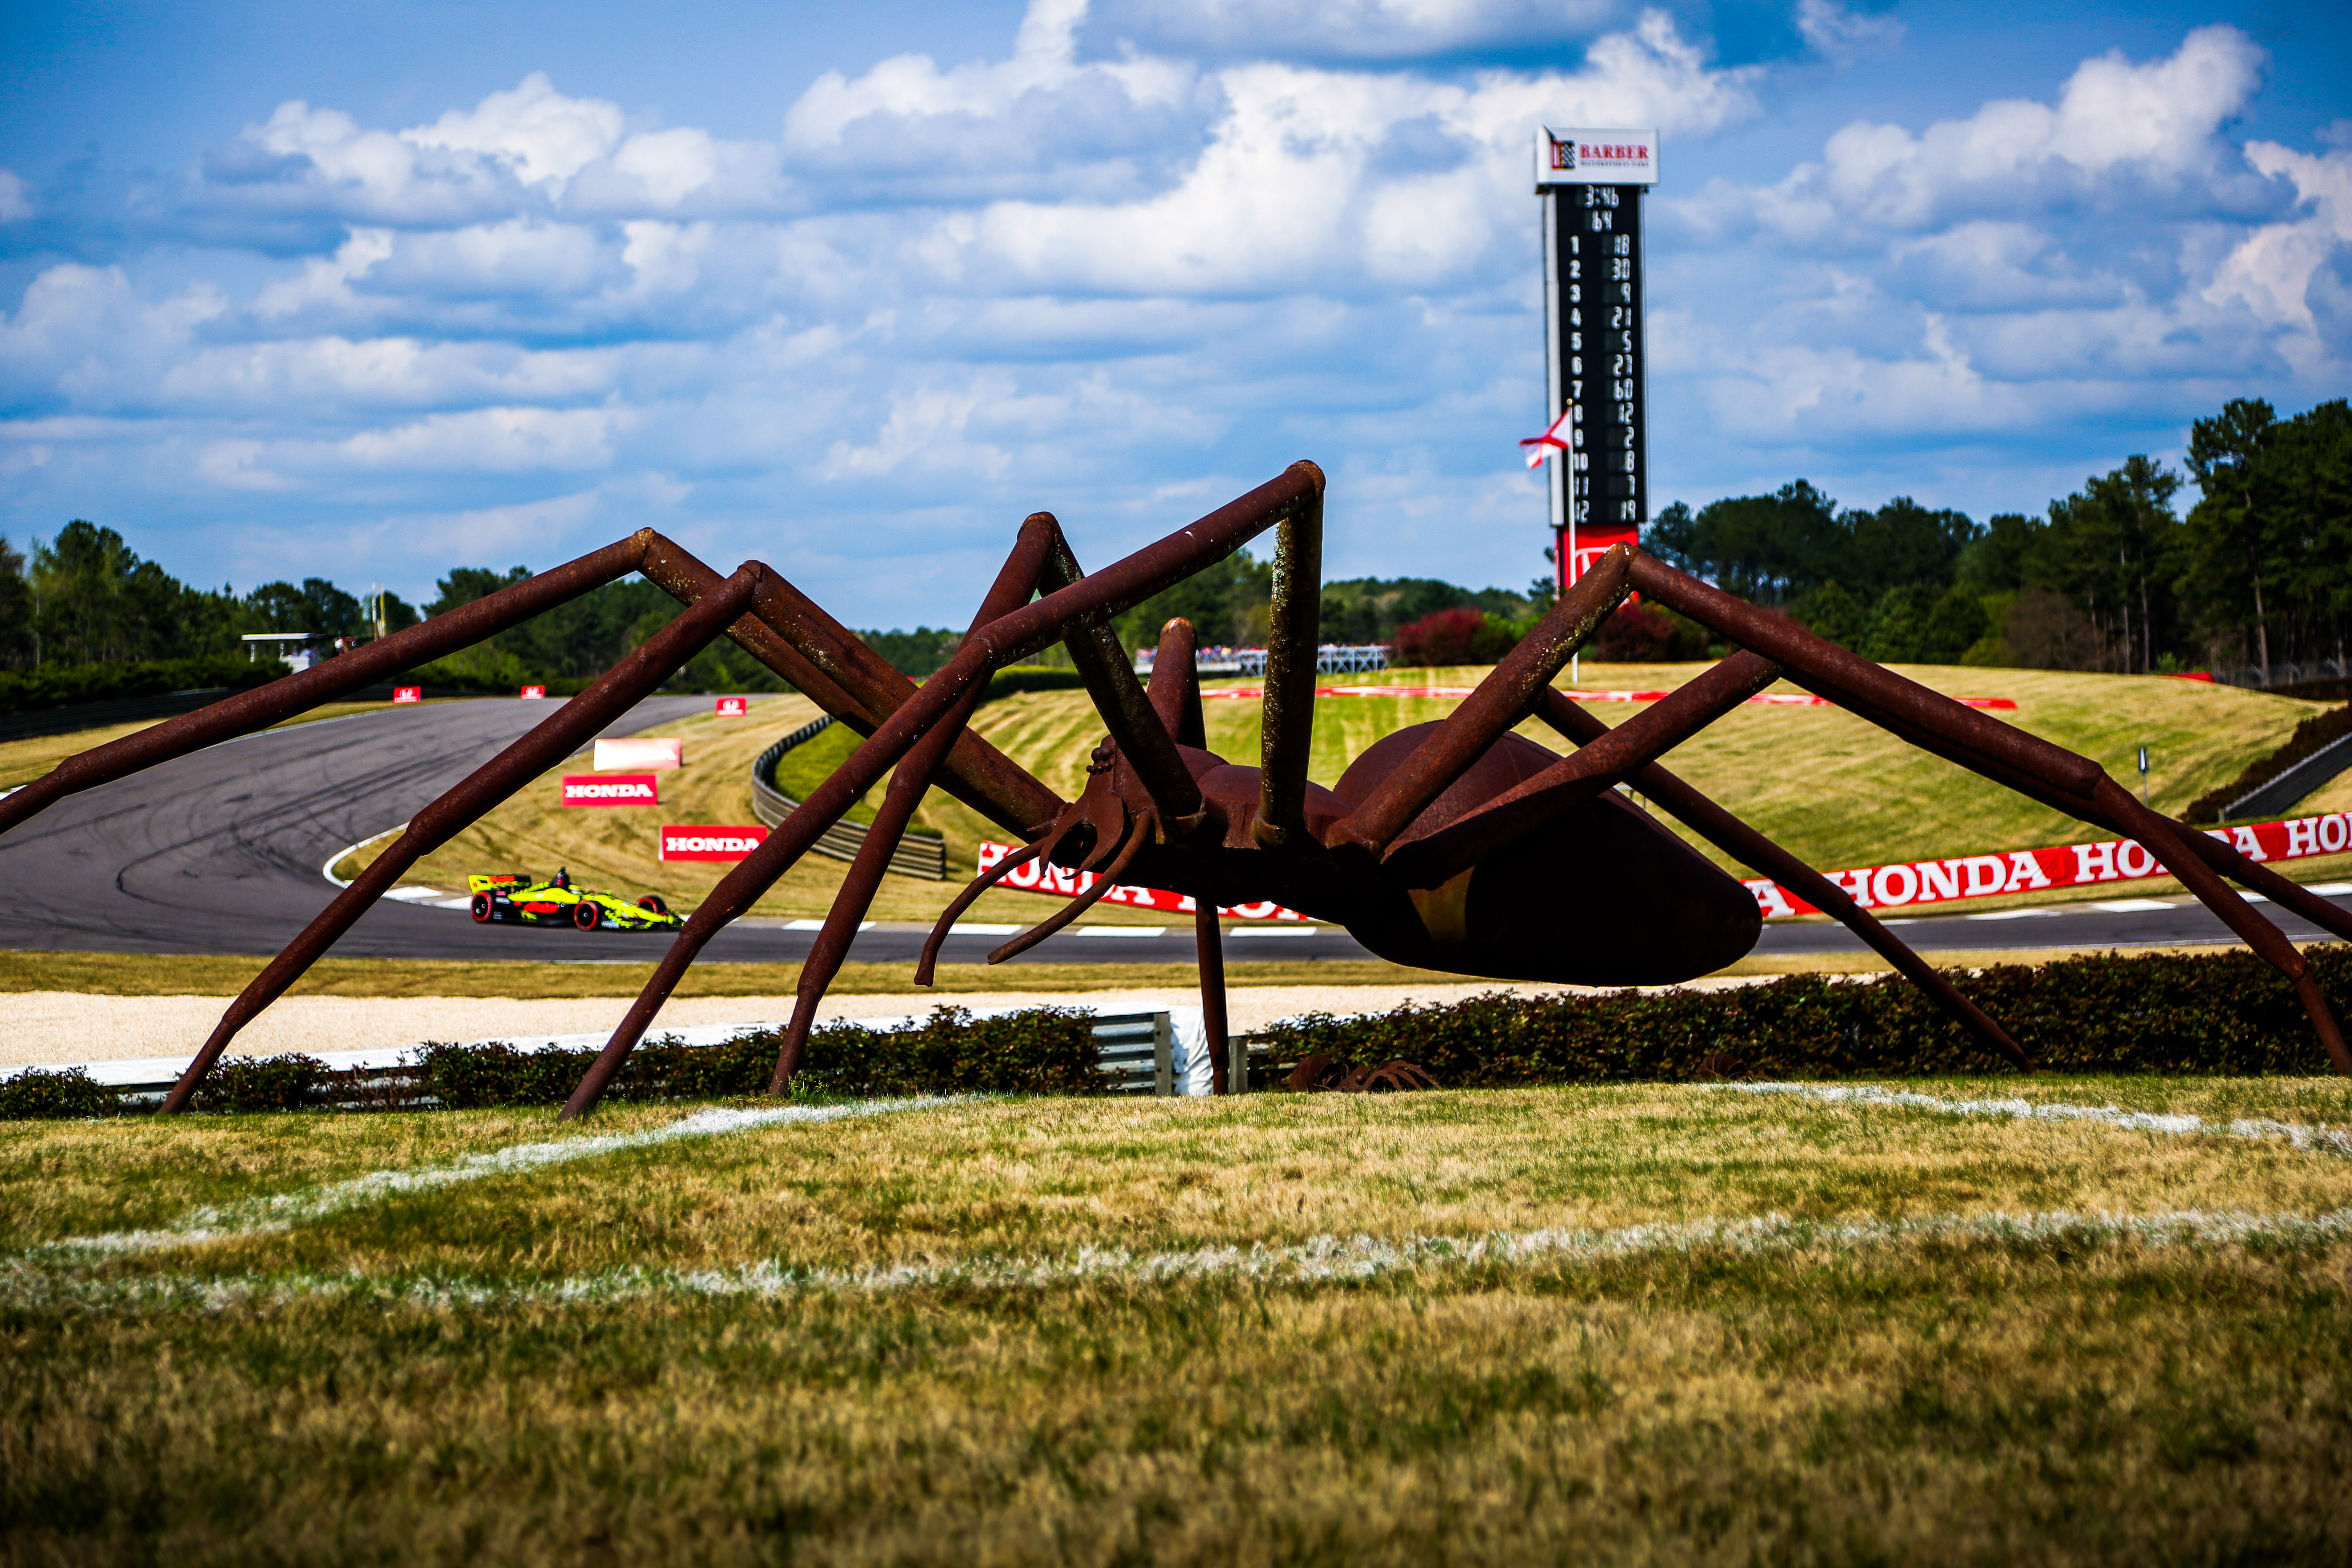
(1601, 896)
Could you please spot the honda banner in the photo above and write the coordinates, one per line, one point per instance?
(1037, 876)
(1909, 884)
(733, 707)
(710, 843)
(534, 691)
(612, 789)
(408, 694)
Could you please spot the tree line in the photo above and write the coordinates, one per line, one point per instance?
(2113, 577)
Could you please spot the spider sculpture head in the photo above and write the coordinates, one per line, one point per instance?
(1455, 846)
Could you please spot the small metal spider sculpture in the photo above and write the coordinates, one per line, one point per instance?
(1455, 846)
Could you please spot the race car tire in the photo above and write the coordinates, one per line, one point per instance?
(653, 901)
(481, 908)
(587, 916)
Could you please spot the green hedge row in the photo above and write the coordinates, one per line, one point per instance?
(1041, 1050)
(54, 686)
(2226, 1013)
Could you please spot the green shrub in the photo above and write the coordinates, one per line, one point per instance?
(291, 1082)
(36, 1093)
(2161, 1013)
(1020, 678)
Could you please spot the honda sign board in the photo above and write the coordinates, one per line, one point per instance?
(710, 843)
(408, 694)
(534, 691)
(733, 707)
(612, 789)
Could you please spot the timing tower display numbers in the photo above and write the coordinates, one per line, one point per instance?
(1592, 184)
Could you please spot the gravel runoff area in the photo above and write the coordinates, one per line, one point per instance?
(64, 1026)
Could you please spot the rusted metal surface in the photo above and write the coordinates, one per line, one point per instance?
(1457, 845)
(324, 682)
(1175, 687)
(2024, 763)
(1295, 626)
(909, 783)
(553, 739)
(1759, 854)
(1105, 593)
(1785, 642)
(1124, 706)
(1209, 951)
(1429, 860)
(1500, 701)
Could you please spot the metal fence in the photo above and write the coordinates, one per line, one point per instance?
(917, 855)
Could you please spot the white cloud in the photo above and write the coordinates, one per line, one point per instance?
(2156, 123)
(543, 136)
(1844, 34)
(1126, 283)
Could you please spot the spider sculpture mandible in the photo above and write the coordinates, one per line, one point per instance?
(1454, 846)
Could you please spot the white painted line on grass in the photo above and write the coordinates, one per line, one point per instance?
(1323, 1260)
(2326, 1139)
(1273, 931)
(1116, 930)
(269, 1216)
(2133, 905)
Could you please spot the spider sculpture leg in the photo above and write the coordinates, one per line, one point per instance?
(1084, 605)
(555, 738)
(909, 783)
(1751, 848)
(2026, 763)
(1175, 693)
(323, 682)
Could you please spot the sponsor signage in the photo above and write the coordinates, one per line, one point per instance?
(1596, 347)
(640, 754)
(612, 789)
(1037, 876)
(408, 694)
(1587, 157)
(733, 707)
(534, 691)
(710, 843)
(1455, 693)
(1910, 884)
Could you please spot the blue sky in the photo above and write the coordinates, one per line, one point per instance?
(366, 293)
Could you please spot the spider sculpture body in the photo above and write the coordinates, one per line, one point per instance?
(1455, 846)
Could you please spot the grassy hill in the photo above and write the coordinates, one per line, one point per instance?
(1832, 788)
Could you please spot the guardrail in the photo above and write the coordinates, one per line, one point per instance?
(2292, 786)
(917, 855)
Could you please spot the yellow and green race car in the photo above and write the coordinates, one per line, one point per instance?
(514, 898)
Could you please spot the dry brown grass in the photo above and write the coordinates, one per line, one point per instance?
(21, 762)
(392, 1380)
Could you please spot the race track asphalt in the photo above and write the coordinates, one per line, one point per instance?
(223, 851)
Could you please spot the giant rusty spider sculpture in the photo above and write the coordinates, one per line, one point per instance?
(1452, 846)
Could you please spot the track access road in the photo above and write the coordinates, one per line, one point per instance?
(223, 851)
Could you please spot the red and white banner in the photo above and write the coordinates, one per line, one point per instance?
(408, 694)
(1037, 877)
(534, 691)
(710, 843)
(1455, 693)
(640, 753)
(1914, 883)
(612, 789)
(733, 707)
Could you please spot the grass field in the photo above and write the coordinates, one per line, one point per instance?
(1649, 1323)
